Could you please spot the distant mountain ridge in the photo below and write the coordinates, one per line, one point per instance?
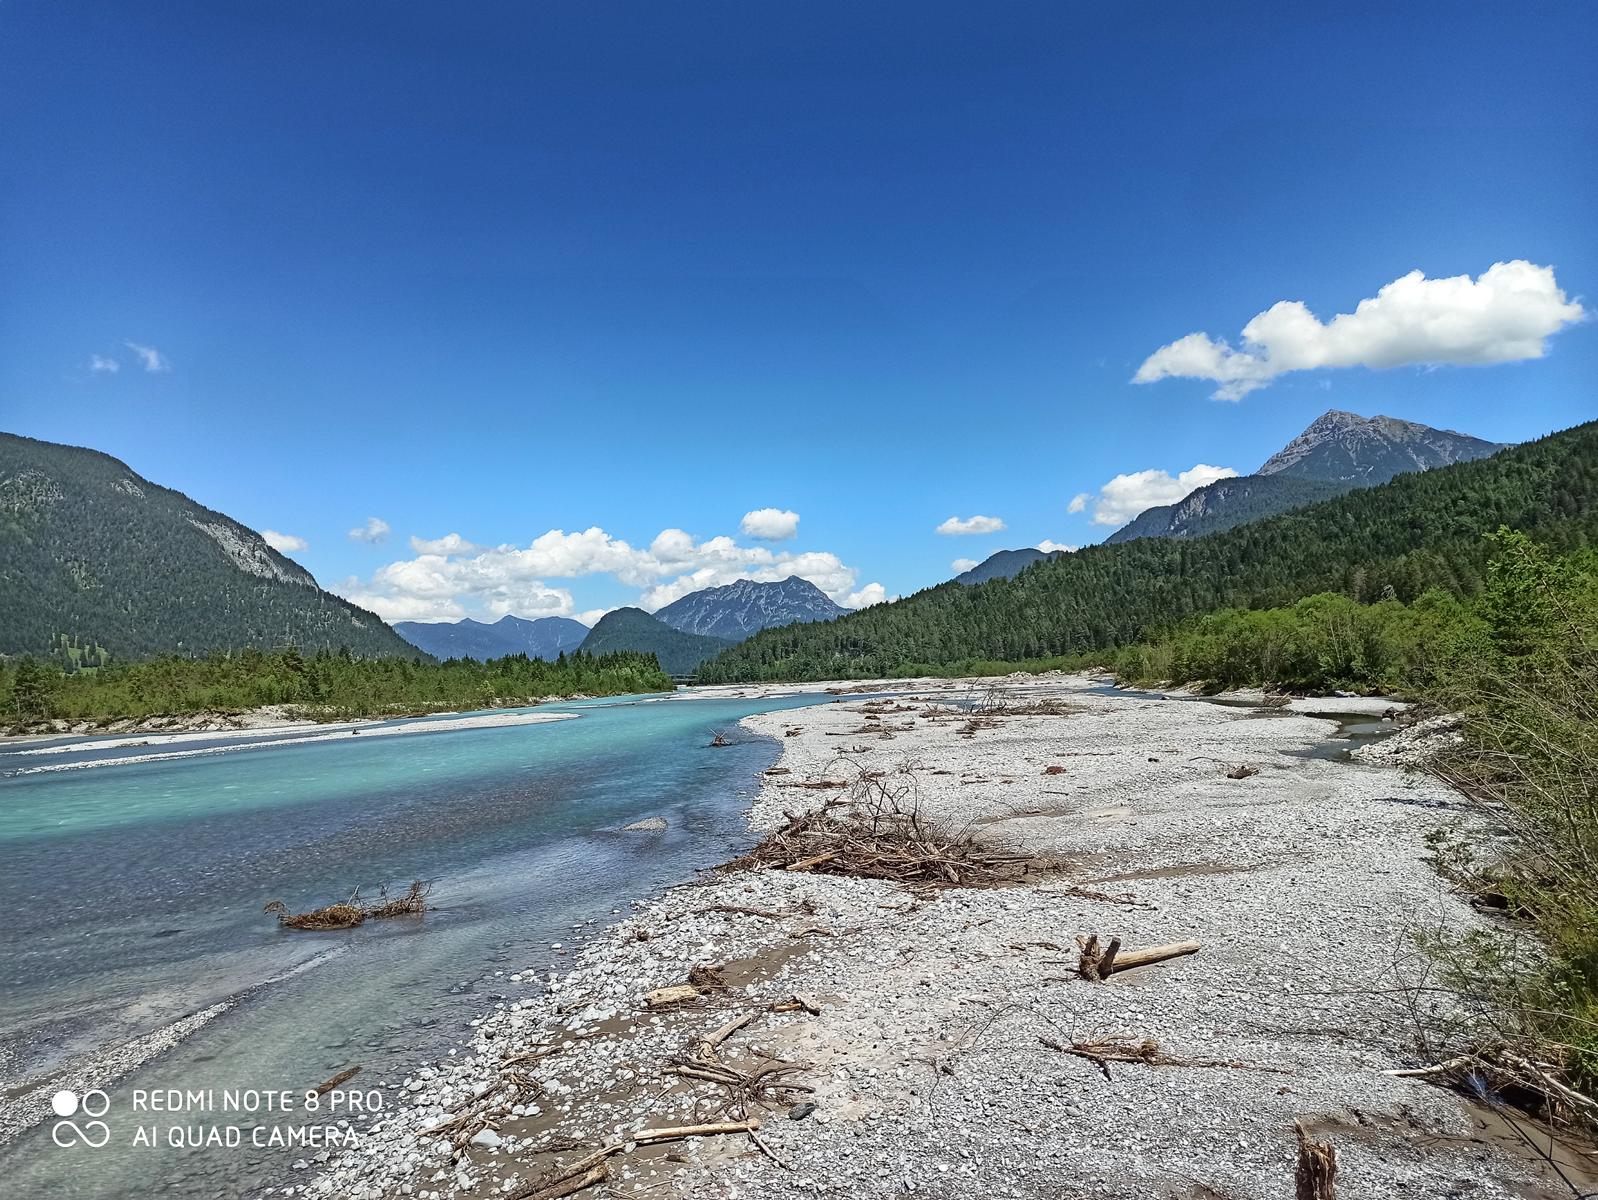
(1005, 564)
(1338, 452)
(743, 607)
(94, 557)
(677, 652)
(543, 637)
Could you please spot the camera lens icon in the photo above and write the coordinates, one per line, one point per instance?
(93, 1103)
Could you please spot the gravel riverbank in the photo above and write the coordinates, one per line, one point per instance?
(933, 1057)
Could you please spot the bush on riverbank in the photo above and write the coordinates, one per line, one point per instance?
(1519, 662)
(323, 686)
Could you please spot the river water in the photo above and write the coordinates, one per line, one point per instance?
(131, 896)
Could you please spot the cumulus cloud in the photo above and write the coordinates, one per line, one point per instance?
(284, 543)
(374, 531)
(1506, 314)
(1079, 502)
(1049, 547)
(451, 577)
(1123, 497)
(770, 524)
(99, 364)
(962, 526)
(149, 357)
(450, 543)
(963, 564)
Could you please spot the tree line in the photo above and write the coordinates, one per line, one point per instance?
(325, 685)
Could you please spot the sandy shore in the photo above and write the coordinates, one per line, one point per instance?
(930, 1061)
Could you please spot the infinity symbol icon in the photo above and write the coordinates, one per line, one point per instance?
(93, 1103)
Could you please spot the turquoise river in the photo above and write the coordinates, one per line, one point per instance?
(131, 896)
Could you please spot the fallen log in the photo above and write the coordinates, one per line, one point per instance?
(1130, 959)
(1097, 963)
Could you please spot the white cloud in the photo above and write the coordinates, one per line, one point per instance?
(1049, 547)
(1506, 314)
(872, 593)
(770, 524)
(450, 577)
(450, 543)
(149, 357)
(99, 364)
(961, 526)
(374, 531)
(963, 564)
(284, 543)
(1079, 502)
(1123, 497)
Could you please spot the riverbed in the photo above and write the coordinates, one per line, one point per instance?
(929, 1033)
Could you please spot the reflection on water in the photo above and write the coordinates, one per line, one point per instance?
(133, 897)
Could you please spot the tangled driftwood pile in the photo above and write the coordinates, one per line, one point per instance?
(877, 831)
(349, 913)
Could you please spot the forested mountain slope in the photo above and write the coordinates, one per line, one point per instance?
(633, 629)
(1418, 531)
(99, 564)
(1228, 503)
(1005, 564)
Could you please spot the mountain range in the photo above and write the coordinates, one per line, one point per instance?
(743, 607)
(543, 637)
(1340, 451)
(1420, 530)
(98, 563)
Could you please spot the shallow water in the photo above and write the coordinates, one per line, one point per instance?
(133, 897)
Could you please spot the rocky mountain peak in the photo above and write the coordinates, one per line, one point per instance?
(1344, 446)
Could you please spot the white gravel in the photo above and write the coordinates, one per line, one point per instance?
(1304, 882)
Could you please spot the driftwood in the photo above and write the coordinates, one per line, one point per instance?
(764, 1083)
(594, 1168)
(1097, 963)
(879, 835)
(347, 914)
(1147, 1052)
(799, 1003)
(345, 1076)
(666, 997)
(1316, 1177)
(701, 978)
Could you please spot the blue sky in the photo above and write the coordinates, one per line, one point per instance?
(498, 270)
